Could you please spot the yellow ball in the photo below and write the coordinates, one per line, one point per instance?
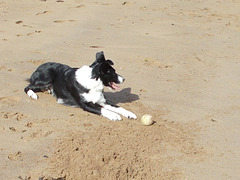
(146, 120)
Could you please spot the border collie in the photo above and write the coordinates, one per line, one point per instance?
(80, 87)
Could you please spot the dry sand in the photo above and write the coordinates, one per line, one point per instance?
(181, 61)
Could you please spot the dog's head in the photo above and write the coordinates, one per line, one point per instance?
(103, 69)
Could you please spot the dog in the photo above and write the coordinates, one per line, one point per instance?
(80, 87)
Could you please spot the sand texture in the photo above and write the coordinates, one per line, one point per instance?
(181, 62)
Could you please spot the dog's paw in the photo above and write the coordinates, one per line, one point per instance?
(110, 115)
(129, 115)
(32, 94)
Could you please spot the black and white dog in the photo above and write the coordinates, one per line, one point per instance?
(81, 87)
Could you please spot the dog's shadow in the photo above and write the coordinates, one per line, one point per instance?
(123, 96)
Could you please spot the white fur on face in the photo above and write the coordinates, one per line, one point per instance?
(95, 94)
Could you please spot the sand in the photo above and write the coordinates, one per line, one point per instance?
(181, 63)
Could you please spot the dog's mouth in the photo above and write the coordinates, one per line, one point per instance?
(114, 86)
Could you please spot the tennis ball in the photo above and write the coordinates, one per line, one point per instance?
(146, 120)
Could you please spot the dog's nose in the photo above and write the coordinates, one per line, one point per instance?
(120, 79)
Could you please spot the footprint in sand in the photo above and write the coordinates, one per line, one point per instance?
(43, 13)
(36, 134)
(19, 22)
(62, 21)
(4, 68)
(35, 32)
(17, 130)
(15, 156)
(80, 6)
(96, 47)
(14, 115)
(9, 100)
(36, 62)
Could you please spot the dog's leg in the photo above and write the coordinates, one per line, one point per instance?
(98, 109)
(114, 108)
(90, 106)
(31, 90)
(110, 115)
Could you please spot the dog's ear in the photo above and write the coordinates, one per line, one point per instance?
(96, 65)
(110, 62)
(100, 65)
(100, 57)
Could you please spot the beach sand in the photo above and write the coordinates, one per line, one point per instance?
(181, 63)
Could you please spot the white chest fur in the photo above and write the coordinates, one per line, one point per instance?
(95, 94)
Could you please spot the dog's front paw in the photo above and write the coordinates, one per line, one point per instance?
(129, 115)
(32, 94)
(110, 115)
